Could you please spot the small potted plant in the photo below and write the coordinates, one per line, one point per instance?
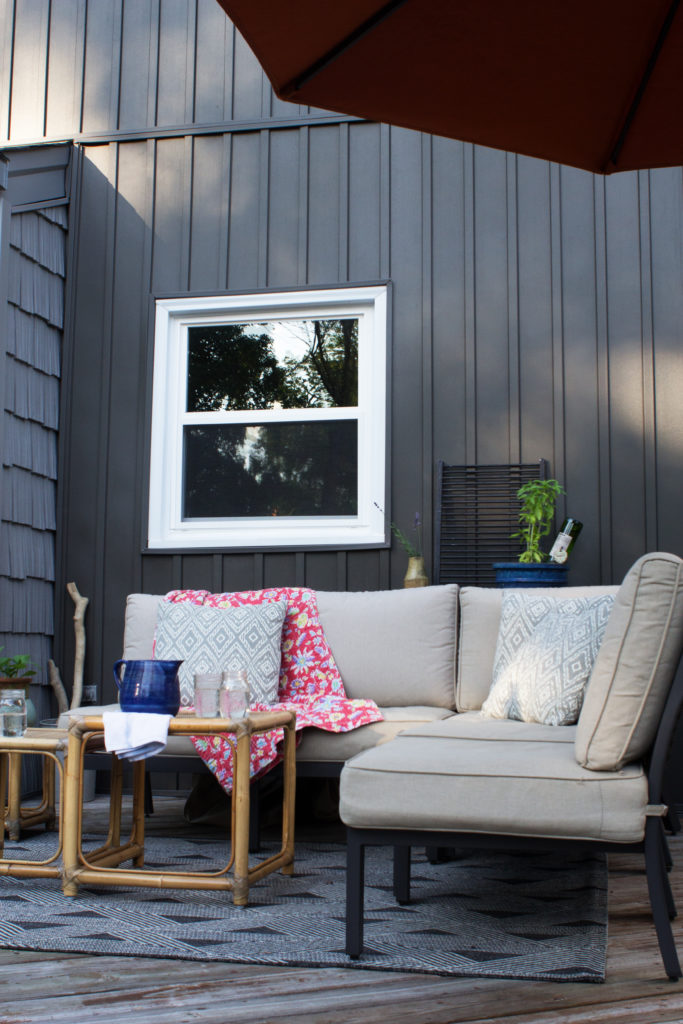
(536, 514)
(16, 674)
(415, 574)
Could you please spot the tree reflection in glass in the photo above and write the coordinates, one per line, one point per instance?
(286, 364)
(273, 468)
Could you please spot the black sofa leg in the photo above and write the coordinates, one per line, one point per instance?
(402, 874)
(660, 896)
(355, 886)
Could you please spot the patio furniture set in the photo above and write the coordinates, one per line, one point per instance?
(479, 744)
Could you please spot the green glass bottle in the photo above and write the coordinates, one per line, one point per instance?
(565, 540)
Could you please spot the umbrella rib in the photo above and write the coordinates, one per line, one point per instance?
(640, 92)
(340, 48)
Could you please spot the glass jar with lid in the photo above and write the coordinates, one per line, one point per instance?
(234, 695)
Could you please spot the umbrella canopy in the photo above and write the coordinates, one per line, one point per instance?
(597, 84)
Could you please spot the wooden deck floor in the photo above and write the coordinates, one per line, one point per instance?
(36, 988)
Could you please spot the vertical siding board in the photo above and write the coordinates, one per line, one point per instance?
(324, 198)
(625, 340)
(533, 245)
(66, 54)
(172, 215)
(139, 64)
(100, 105)
(491, 313)
(243, 252)
(647, 364)
(248, 83)
(666, 211)
(364, 206)
(577, 376)
(156, 574)
(85, 413)
(6, 41)
(29, 69)
(210, 204)
(125, 462)
(176, 59)
(448, 301)
(283, 209)
(238, 573)
(407, 385)
(213, 64)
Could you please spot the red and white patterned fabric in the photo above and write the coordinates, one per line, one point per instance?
(310, 683)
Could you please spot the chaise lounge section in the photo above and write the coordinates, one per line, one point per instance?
(474, 780)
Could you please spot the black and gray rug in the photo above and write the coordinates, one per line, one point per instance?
(509, 916)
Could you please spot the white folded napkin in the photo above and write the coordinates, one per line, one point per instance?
(132, 735)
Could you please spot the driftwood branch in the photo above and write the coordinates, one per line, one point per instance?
(81, 604)
(57, 686)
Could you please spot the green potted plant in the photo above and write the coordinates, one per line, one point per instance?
(16, 674)
(415, 574)
(536, 515)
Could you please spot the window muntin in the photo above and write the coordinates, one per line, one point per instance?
(268, 421)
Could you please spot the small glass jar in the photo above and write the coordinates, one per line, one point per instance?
(206, 688)
(13, 712)
(234, 695)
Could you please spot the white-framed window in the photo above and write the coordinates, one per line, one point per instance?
(269, 419)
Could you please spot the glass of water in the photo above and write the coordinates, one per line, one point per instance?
(13, 712)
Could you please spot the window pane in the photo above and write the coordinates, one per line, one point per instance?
(279, 364)
(279, 469)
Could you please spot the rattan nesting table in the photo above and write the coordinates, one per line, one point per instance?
(102, 866)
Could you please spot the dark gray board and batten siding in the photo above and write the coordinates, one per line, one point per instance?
(537, 310)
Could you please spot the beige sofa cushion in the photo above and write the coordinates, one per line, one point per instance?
(635, 665)
(396, 647)
(139, 625)
(496, 776)
(319, 745)
(478, 635)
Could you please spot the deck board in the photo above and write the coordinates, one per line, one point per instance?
(77, 989)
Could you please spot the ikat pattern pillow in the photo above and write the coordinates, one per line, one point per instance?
(544, 656)
(211, 639)
(307, 666)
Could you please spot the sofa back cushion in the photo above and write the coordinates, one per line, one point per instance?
(396, 647)
(139, 625)
(480, 609)
(634, 667)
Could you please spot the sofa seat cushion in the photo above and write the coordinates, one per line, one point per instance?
(319, 745)
(492, 776)
(395, 647)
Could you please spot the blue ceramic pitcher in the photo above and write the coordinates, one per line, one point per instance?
(150, 686)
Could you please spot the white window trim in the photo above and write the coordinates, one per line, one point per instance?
(166, 527)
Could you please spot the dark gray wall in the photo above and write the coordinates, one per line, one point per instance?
(537, 310)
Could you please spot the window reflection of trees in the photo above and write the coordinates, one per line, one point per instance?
(299, 364)
(277, 469)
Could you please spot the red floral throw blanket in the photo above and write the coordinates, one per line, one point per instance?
(310, 683)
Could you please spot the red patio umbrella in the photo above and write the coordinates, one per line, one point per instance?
(597, 84)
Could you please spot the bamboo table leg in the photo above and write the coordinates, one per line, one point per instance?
(72, 815)
(240, 795)
(13, 820)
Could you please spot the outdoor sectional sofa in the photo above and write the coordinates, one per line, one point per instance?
(437, 771)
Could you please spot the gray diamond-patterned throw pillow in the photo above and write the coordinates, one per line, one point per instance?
(544, 656)
(214, 639)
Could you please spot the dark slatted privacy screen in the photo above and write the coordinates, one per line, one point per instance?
(477, 509)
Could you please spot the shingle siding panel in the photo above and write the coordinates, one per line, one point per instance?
(36, 290)
(34, 341)
(30, 446)
(28, 499)
(40, 240)
(26, 603)
(26, 553)
(32, 395)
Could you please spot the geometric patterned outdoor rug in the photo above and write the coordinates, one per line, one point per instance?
(485, 915)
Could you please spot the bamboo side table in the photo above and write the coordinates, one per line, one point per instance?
(51, 745)
(99, 867)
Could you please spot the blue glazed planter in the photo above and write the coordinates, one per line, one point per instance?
(530, 574)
